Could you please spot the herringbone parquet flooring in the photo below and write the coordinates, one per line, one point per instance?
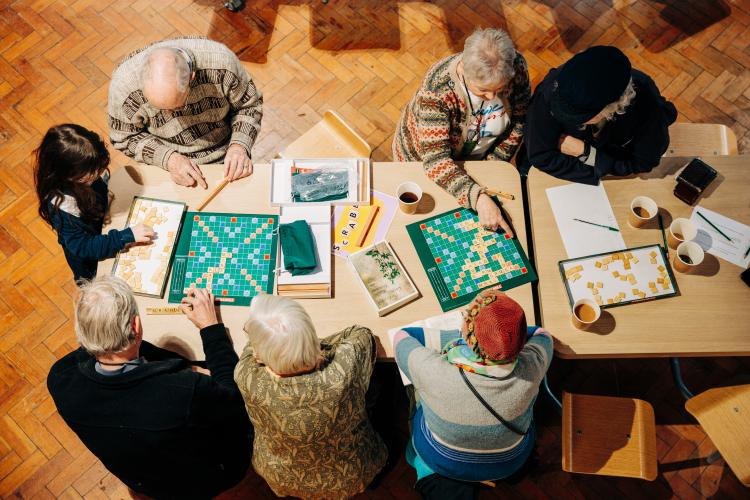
(363, 59)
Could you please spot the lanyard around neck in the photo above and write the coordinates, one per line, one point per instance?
(468, 94)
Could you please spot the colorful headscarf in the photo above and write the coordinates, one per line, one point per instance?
(495, 327)
(457, 352)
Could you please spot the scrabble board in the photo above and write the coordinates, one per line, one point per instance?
(462, 258)
(146, 267)
(619, 278)
(232, 255)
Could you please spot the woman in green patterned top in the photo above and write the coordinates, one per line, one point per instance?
(306, 400)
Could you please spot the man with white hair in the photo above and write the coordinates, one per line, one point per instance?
(184, 102)
(595, 116)
(469, 106)
(161, 427)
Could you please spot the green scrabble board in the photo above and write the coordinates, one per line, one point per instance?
(232, 255)
(462, 258)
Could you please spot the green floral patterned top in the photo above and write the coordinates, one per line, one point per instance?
(312, 435)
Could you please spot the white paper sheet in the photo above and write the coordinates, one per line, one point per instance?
(319, 219)
(449, 321)
(588, 203)
(714, 243)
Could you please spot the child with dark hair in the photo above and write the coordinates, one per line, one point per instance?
(71, 175)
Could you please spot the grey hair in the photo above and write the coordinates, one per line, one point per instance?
(104, 312)
(178, 59)
(282, 335)
(488, 56)
(619, 107)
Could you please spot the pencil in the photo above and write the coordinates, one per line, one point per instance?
(501, 194)
(212, 194)
(712, 225)
(598, 225)
(367, 225)
(663, 234)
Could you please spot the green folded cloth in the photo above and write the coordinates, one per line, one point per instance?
(298, 247)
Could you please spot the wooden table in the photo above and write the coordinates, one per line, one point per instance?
(709, 318)
(349, 304)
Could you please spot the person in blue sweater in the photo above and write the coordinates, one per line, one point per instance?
(71, 176)
(474, 398)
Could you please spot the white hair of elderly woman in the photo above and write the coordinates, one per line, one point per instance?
(488, 57)
(104, 312)
(282, 335)
(619, 106)
(171, 58)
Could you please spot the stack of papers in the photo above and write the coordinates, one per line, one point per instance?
(714, 243)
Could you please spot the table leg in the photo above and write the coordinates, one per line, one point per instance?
(677, 375)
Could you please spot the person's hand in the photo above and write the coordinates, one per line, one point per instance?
(143, 233)
(185, 171)
(541, 331)
(201, 370)
(237, 164)
(490, 215)
(571, 146)
(199, 308)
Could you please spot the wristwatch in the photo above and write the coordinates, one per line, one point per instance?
(586, 152)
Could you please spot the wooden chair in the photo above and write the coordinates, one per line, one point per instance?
(724, 413)
(701, 139)
(608, 436)
(331, 137)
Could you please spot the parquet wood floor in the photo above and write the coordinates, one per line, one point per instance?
(363, 59)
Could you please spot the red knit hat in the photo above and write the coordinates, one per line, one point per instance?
(495, 326)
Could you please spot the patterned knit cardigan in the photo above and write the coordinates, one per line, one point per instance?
(223, 108)
(432, 126)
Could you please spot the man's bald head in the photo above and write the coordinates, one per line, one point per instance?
(165, 78)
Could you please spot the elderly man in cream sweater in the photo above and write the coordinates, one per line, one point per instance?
(183, 102)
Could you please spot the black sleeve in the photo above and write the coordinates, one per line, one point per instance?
(650, 141)
(216, 398)
(542, 137)
(154, 353)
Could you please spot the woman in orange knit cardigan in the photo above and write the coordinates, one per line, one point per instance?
(470, 106)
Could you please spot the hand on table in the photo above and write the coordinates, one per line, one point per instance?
(199, 308)
(201, 370)
(541, 331)
(143, 233)
(185, 171)
(237, 164)
(490, 215)
(570, 146)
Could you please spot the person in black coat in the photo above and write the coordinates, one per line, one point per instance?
(161, 427)
(595, 116)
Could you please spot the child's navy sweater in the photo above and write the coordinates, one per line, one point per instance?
(82, 242)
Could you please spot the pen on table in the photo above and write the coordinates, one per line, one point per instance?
(599, 225)
(746, 252)
(712, 225)
(663, 233)
(501, 194)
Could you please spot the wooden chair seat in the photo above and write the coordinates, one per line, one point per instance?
(608, 436)
(701, 139)
(724, 413)
(331, 137)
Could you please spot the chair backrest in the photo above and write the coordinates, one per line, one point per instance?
(608, 436)
(701, 139)
(331, 137)
(724, 413)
